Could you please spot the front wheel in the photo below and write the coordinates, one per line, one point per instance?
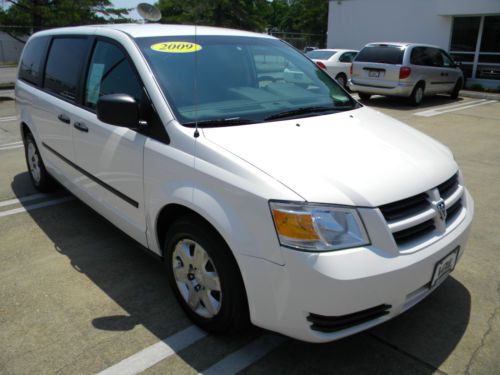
(456, 90)
(205, 277)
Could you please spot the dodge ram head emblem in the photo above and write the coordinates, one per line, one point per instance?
(441, 209)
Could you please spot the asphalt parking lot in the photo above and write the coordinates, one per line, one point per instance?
(77, 296)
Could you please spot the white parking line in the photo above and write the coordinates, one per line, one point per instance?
(2, 148)
(35, 206)
(28, 198)
(12, 144)
(244, 357)
(455, 107)
(8, 118)
(156, 352)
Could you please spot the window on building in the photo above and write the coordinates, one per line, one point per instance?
(464, 33)
(64, 66)
(490, 40)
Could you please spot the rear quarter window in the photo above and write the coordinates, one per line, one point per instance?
(31, 63)
(381, 54)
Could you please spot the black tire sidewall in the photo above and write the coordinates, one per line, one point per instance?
(413, 97)
(45, 184)
(233, 314)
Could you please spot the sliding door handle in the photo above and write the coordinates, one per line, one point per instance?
(81, 126)
(64, 118)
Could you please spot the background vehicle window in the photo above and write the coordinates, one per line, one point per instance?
(384, 54)
(447, 61)
(418, 56)
(110, 73)
(64, 66)
(347, 57)
(434, 56)
(320, 55)
(30, 66)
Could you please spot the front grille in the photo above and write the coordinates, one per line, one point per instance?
(415, 218)
(337, 323)
(447, 188)
(405, 208)
(410, 234)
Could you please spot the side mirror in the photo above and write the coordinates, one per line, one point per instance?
(118, 110)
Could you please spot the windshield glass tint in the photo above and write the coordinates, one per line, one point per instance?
(381, 54)
(239, 80)
(320, 55)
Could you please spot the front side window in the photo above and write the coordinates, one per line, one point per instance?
(447, 61)
(64, 66)
(227, 80)
(110, 72)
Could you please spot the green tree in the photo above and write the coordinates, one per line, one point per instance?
(239, 14)
(26, 16)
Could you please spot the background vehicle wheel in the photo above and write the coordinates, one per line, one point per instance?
(205, 277)
(342, 80)
(364, 96)
(417, 95)
(40, 178)
(456, 90)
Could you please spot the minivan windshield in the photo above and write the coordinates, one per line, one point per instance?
(228, 80)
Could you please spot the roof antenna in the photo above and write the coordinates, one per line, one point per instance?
(149, 12)
(196, 132)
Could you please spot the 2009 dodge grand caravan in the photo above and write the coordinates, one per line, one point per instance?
(273, 197)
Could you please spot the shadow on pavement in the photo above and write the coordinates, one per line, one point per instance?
(416, 342)
(402, 104)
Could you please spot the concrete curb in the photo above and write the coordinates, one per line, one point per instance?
(480, 95)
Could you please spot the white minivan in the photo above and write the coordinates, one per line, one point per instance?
(272, 200)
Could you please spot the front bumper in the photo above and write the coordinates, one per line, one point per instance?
(340, 283)
(401, 89)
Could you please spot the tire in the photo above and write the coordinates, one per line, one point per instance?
(364, 96)
(417, 94)
(205, 277)
(39, 176)
(456, 90)
(341, 80)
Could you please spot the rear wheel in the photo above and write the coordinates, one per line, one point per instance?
(456, 90)
(205, 277)
(417, 95)
(342, 80)
(364, 95)
(40, 178)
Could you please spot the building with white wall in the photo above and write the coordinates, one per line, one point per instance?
(469, 29)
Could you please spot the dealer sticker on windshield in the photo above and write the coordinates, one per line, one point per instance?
(176, 47)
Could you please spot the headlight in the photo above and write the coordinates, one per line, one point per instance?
(318, 227)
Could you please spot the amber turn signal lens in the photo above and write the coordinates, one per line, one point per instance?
(295, 225)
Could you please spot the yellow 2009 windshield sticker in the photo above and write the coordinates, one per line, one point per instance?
(176, 47)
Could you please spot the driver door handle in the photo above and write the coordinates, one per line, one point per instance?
(81, 126)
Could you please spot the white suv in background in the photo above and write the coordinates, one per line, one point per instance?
(405, 69)
(271, 199)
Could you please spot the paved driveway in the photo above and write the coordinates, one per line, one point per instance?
(78, 296)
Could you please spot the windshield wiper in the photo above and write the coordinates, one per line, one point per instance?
(305, 111)
(220, 122)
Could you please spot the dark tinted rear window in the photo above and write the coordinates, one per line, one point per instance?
(30, 66)
(64, 66)
(381, 54)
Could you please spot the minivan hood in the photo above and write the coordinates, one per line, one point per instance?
(360, 157)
